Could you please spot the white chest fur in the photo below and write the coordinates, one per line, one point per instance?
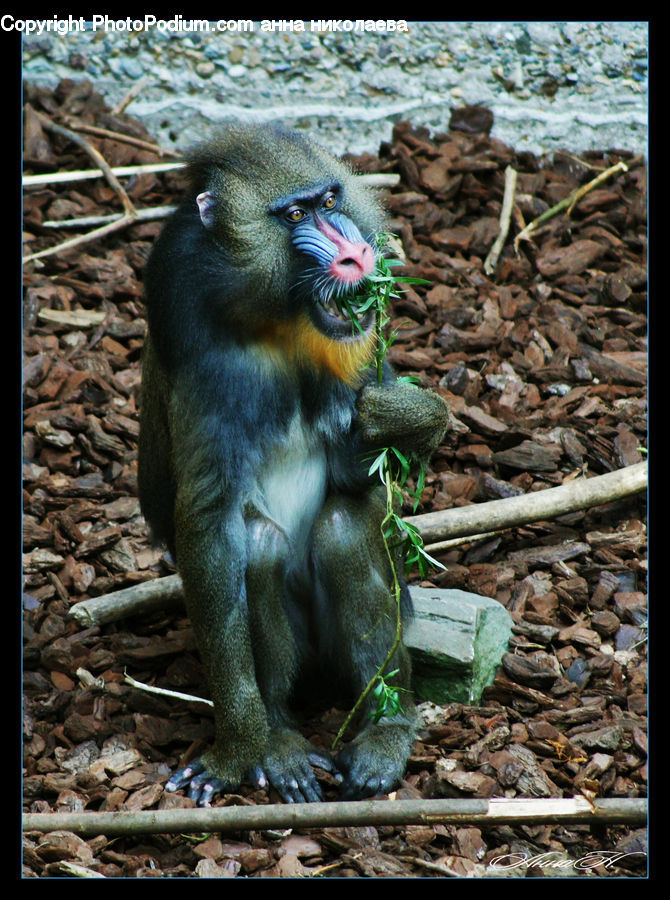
(292, 484)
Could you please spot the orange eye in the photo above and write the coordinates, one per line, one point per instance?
(330, 201)
(296, 214)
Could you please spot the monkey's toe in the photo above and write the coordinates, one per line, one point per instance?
(201, 784)
(295, 782)
(183, 776)
(287, 767)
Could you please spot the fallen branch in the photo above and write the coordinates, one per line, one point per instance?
(582, 493)
(139, 599)
(120, 138)
(95, 235)
(476, 522)
(487, 813)
(567, 203)
(131, 215)
(47, 178)
(95, 155)
(164, 692)
(129, 211)
(373, 179)
(147, 214)
(505, 215)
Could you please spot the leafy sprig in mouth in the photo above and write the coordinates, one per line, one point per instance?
(371, 298)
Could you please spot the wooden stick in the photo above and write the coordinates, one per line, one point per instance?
(130, 95)
(374, 179)
(95, 155)
(86, 174)
(143, 215)
(164, 692)
(138, 599)
(120, 138)
(505, 215)
(95, 235)
(380, 179)
(483, 813)
(582, 493)
(474, 522)
(567, 202)
(458, 542)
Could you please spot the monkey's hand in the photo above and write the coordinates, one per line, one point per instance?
(404, 416)
(287, 767)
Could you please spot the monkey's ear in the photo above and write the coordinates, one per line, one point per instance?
(205, 203)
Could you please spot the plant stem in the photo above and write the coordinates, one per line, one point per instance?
(379, 351)
(380, 320)
(567, 202)
(398, 629)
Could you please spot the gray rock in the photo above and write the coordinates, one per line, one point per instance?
(456, 641)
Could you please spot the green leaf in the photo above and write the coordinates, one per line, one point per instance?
(378, 464)
(420, 484)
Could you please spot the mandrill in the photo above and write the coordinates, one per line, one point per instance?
(259, 416)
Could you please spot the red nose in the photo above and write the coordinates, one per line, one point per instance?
(353, 261)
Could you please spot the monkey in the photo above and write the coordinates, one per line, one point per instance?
(259, 411)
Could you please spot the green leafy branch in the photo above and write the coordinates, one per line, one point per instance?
(393, 467)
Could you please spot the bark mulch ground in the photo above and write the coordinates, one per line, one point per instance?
(544, 366)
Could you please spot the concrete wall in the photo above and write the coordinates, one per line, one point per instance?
(574, 85)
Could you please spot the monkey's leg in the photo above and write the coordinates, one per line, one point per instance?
(353, 580)
(211, 554)
(289, 757)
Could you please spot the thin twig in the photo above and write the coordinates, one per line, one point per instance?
(164, 692)
(147, 214)
(120, 138)
(130, 95)
(567, 203)
(95, 155)
(505, 215)
(47, 178)
(467, 539)
(84, 238)
(430, 865)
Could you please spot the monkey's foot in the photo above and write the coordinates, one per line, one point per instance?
(287, 767)
(371, 767)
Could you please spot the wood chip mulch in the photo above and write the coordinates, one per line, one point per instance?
(544, 367)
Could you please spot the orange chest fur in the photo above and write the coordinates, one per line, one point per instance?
(300, 343)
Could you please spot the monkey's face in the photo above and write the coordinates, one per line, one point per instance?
(335, 258)
(332, 259)
(296, 231)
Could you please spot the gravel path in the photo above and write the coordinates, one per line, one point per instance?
(578, 85)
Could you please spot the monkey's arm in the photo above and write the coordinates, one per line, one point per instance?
(404, 416)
